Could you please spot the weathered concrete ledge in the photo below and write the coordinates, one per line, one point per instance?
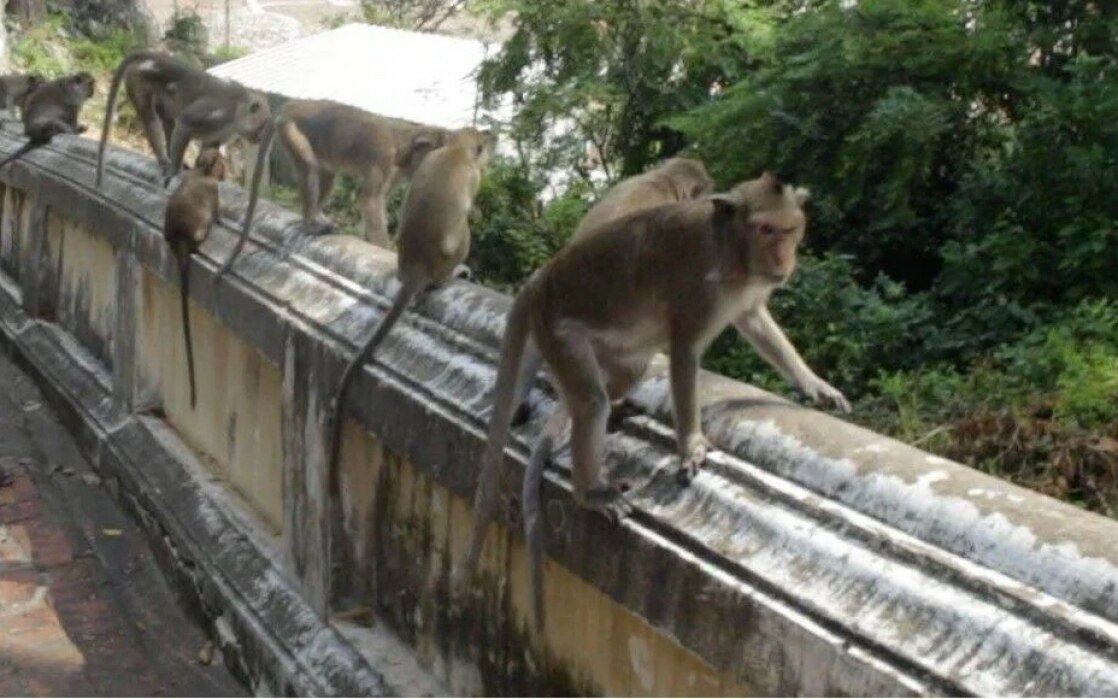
(811, 557)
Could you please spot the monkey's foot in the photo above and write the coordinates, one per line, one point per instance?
(607, 499)
(320, 226)
(696, 455)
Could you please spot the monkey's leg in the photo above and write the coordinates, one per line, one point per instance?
(570, 356)
(180, 139)
(374, 191)
(156, 136)
(325, 187)
(690, 442)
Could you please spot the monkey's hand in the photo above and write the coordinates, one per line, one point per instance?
(819, 390)
(607, 499)
(694, 456)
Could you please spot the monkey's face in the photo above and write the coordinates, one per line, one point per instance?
(768, 226)
(481, 144)
(82, 85)
(255, 118)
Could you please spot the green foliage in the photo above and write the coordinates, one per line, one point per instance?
(187, 28)
(512, 234)
(52, 49)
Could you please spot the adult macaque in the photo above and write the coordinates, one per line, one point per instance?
(326, 138)
(191, 212)
(170, 95)
(434, 239)
(675, 179)
(668, 278)
(15, 88)
(53, 109)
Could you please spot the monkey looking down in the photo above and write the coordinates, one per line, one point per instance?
(326, 138)
(191, 212)
(434, 239)
(171, 95)
(667, 278)
(51, 109)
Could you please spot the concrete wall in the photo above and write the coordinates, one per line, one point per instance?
(810, 556)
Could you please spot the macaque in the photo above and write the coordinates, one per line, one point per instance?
(52, 109)
(675, 179)
(326, 138)
(433, 241)
(191, 212)
(15, 88)
(177, 99)
(667, 278)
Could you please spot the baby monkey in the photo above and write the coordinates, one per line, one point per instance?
(191, 212)
(667, 278)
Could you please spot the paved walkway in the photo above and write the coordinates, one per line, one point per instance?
(84, 609)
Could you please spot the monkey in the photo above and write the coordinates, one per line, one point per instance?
(53, 109)
(675, 179)
(191, 212)
(325, 138)
(433, 241)
(171, 95)
(15, 88)
(670, 277)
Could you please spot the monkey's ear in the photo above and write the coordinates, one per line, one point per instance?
(422, 142)
(724, 209)
(802, 194)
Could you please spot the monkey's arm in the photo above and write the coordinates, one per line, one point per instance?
(760, 329)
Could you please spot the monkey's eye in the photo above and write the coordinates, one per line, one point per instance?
(766, 229)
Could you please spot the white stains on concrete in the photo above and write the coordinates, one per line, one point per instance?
(640, 659)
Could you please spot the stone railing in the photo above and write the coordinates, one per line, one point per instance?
(809, 557)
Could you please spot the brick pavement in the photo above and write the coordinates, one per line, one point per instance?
(83, 607)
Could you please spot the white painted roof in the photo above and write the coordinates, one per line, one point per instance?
(424, 78)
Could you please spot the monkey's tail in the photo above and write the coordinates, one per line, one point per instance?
(533, 520)
(408, 291)
(184, 289)
(254, 194)
(508, 376)
(110, 110)
(20, 152)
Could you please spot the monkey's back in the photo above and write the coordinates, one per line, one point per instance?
(339, 133)
(189, 214)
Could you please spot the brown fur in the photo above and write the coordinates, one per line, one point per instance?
(177, 102)
(190, 215)
(666, 278)
(15, 88)
(52, 109)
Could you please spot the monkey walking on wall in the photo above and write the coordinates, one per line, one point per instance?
(177, 103)
(191, 212)
(434, 240)
(671, 277)
(51, 109)
(326, 138)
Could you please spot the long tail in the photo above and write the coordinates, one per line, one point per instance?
(20, 152)
(110, 109)
(261, 158)
(508, 376)
(184, 289)
(533, 520)
(408, 292)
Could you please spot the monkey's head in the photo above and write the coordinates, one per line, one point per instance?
(688, 176)
(480, 143)
(211, 163)
(760, 225)
(254, 117)
(81, 85)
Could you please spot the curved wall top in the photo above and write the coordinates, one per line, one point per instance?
(810, 555)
